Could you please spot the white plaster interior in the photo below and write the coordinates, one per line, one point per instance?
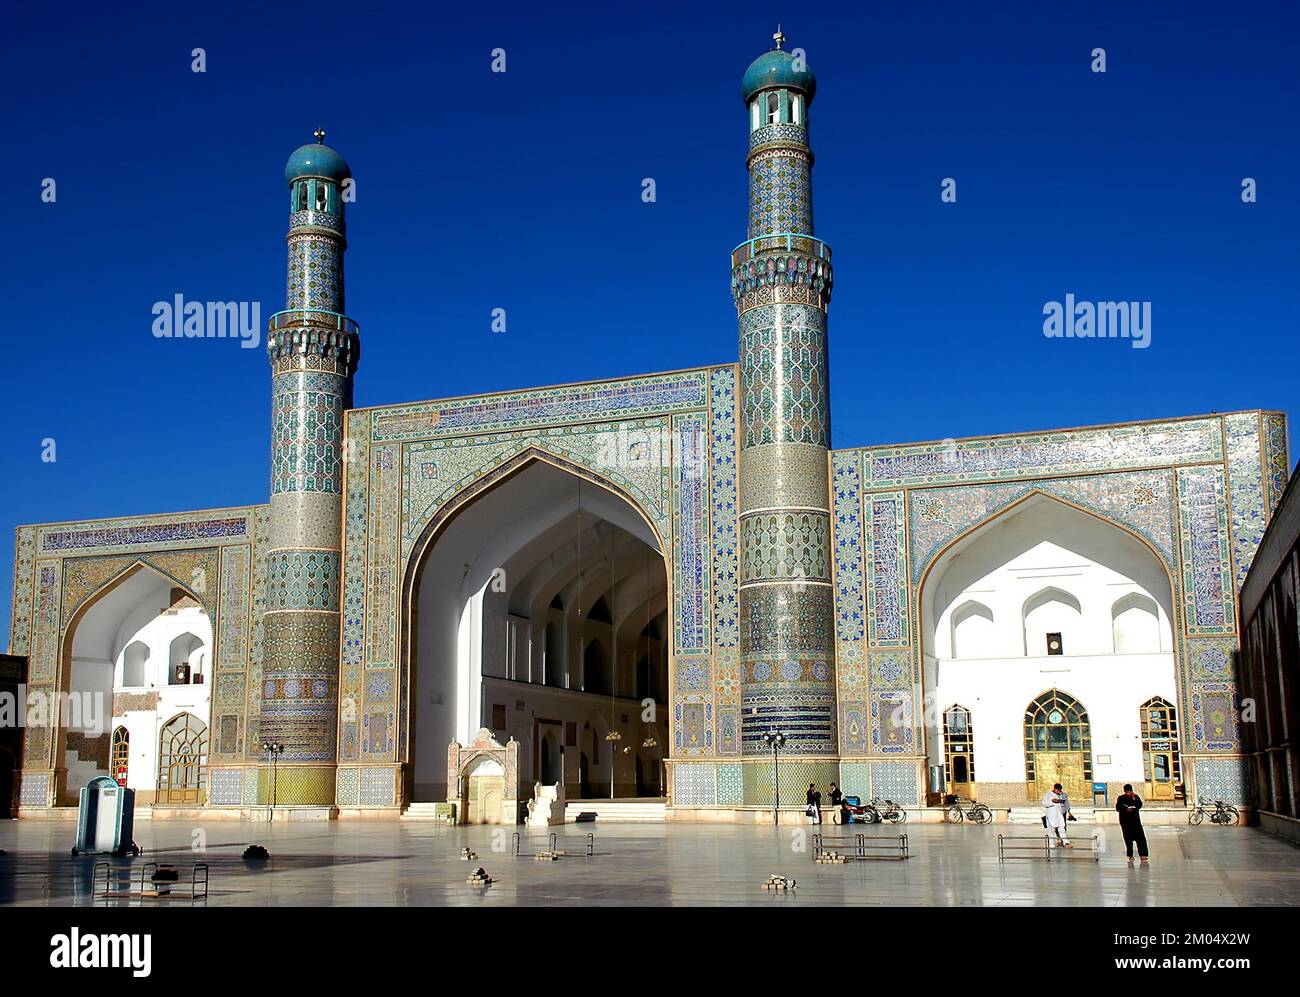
(544, 603)
(125, 650)
(988, 605)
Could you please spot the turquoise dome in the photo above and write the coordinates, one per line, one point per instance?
(776, 68)
(316, 160)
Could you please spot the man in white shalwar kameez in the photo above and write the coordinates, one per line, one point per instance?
(1054, 804)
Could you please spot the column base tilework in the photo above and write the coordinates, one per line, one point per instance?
(368, 786)
(895, 780)
(793, 775)
(300, 685)
(787, 668)
(296, 785)
(1226, 779)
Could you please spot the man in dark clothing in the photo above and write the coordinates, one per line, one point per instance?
(1130, 822)
(814, 804)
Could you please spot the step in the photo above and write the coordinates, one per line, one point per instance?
(421, 811)
(648, 811)
(1034, 815)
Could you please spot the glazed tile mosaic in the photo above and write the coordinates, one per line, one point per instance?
(794, 575)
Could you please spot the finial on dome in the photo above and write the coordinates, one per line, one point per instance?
(319, 133)
(778, 37)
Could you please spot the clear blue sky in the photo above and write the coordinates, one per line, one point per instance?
(522, 191)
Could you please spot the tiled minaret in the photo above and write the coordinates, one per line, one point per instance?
(781, 280)
(313, 349)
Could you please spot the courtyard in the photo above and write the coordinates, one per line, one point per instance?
(410, 863)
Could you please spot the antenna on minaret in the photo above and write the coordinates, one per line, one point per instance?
(320, 132)
(778, 37)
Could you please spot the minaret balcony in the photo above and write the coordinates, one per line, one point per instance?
(301, 317)
(314, 340)
(804, 245)
(801, 264)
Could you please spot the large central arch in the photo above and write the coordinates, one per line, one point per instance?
(536, 604)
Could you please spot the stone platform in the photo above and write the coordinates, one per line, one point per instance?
(396, 863)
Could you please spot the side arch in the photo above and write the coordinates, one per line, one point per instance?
(84, 606)
(1169, 574)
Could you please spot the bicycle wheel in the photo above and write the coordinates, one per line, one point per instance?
(955, 814)
(1231, 816)
(1196, 816)
(982, 814)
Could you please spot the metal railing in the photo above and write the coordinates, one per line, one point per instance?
(292, 317)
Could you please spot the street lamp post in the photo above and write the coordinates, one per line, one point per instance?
(775, 739)
(613, 737)
(275, 750)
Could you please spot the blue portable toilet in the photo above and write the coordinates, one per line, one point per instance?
(106, 818)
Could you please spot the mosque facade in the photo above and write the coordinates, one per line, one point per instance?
(666, 586)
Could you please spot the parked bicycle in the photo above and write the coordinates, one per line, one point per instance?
(976, 813)
(1219, 813)
(888, 811)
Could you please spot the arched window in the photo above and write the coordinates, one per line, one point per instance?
(1058, 744)
(179, 655)
(643, 678)
(596, 675)
(1160, 759)
(959, 751)
(552, 657)
(1135, 624)
(183, 760)
(120, 755)
(973, 634)
(1051, 617)
(135, 660)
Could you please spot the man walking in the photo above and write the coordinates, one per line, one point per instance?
(1128, 806)
(1054, 802)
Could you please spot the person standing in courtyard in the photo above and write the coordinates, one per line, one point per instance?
(814, 804)
(1054, 802)
(1129, 806)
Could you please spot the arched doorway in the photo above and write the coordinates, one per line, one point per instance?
(8, 777)
(183, 761)
(119, 670)
(529, 603)
(120, 756)
(959, 752)
(1160, 755)
(550, 770)
(1043, 594)
(1058, 746)
(482, 791)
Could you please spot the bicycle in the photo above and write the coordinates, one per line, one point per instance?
(1220, 814)
(888, 811)
(978, 813)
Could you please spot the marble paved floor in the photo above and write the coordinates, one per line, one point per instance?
(345, 863)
